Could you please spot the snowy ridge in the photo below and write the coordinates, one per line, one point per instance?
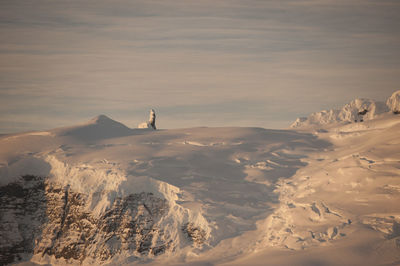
(99, 127)
(357, 110)
(86, 178)
(349, 113)
(103, 194)
(104, 183)
(26, 165)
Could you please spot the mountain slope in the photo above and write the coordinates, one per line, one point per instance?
(200, 196)
(100, 127)
(342, 208)
(134, 197)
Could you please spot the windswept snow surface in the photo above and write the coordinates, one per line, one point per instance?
(342, 208)
(245, 196)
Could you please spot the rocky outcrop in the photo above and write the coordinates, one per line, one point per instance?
(152, 119)
(151, 123)
(393, 102)
(22, 213)
(194, 233)
(39, 217)
(357, 110)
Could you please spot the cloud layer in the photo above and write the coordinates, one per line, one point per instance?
(260, 63)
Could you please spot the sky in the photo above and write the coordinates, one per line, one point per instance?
(197, 63)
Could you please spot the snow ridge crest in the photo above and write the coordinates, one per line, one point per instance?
(357, 110)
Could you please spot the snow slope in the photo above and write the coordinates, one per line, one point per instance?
(342, 208)
(217, 183)
(202, 196)
(97, 128)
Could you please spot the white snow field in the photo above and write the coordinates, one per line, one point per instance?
(323, 194)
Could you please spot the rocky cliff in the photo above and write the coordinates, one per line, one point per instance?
(43, 219)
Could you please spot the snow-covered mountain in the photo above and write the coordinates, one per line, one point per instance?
(102, 193)
(99, 127)
(67, 199)
(357, 110)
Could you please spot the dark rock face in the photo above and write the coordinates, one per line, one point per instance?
(194, 233)
(363, 112)
(22, 211)
(39, 217)
(152, 120)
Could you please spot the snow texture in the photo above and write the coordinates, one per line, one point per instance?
(101, 193)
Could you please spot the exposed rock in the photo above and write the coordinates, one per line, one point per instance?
(40, 217)
(356, 110)
(23, 211)
(151, 123)
(393, 102)
(363, 112)
(194, 233)
(152, 119)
